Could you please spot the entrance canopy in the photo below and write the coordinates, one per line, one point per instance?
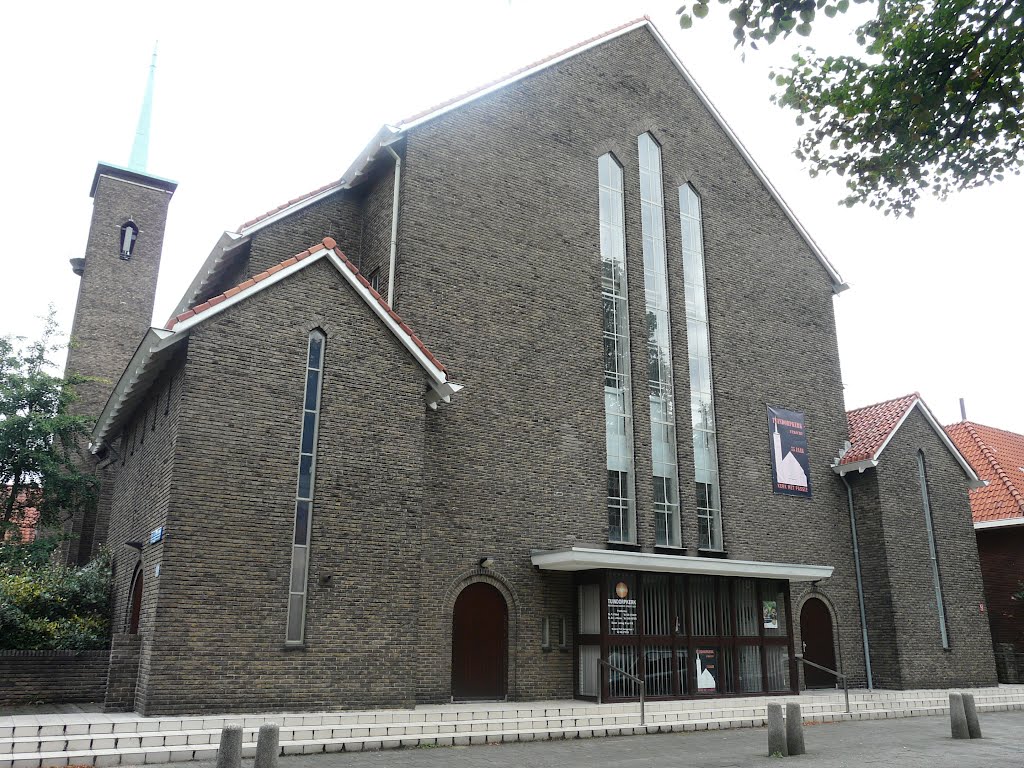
(583, 559)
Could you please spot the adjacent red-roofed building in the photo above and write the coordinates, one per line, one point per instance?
(908, 487)
(998, 511)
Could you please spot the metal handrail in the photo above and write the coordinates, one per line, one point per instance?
(839, 676)
(626, 674)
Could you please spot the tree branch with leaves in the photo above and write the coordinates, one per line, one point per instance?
(40, 438)
(934, 104)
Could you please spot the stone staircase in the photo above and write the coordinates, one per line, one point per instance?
(84, 738)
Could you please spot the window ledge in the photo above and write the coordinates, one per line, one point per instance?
(662, 549)
(623, 546)
(721, 554)
(294, 647)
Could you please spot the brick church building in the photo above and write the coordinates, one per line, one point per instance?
(549, 376)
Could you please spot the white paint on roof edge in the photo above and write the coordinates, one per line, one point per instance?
(389, 134)
(582, 559)
(999, 523)
(860, 466)
(158, 339)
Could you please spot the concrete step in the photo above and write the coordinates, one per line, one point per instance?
(133, 740)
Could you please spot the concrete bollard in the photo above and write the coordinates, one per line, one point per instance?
(794, 729)
(971, 711)
(957, 717)
(268, 746)
(229, 754)
(776, 731)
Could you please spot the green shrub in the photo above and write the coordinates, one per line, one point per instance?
(47, 607)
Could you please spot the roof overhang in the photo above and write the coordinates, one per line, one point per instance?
(838, 285)
(152, 355)
(859, 466)
(1006, 523)
(217, 263)
(585, 559)
(132, 177)
(155, 351)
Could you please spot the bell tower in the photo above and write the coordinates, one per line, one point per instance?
(118, 286)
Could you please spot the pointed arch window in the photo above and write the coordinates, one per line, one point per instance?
(665, 472)
(702, 404)
(299, 573)
(129, 234)
(618, 392)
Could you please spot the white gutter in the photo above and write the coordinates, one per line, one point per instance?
(584, 559)
(999, 523)
(394, 226)
(857, 466)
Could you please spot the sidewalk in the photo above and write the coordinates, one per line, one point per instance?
(917, 742)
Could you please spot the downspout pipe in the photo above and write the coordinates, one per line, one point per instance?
(394, 226)
(860, 584)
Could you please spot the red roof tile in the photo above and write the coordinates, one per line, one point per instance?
(871, 426)
(330, 244)
(521, 70)
(25, 519)
(289, 204)
(998, 457)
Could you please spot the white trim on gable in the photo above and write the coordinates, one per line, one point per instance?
(498, 85)
(150, 357)
(1006, 523)
(860, 466)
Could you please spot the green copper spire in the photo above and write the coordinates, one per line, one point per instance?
(140, 149)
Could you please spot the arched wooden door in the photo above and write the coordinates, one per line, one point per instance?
(135, 603)
(818, 643)
(480, 644)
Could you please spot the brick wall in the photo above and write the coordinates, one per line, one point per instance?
(1002, 566)
(123, 674)
(114, 309)
(143, 461)
(876, 573)
(923, 661)
(1001, 551)
(218, 641)
(500, 273)
(52, 677)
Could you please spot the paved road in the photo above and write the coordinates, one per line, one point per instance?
(912, 742)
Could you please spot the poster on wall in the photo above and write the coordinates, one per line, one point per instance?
(707, 670)
(790, 465)
(770, 612)
(622, 609)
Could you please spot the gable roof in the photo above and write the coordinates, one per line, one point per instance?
(159, 344)
(999, 458)
(391, 133)
(872, 428)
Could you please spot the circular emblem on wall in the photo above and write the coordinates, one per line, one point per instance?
(622, 590)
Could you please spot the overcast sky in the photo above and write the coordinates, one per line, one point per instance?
(257, 103)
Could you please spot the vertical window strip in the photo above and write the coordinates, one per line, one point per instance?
(702, 407)
(617, 387)
(931, 549)
(659, 351)
(299, 573)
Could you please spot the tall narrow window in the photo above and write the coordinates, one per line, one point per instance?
(702, 405)
(304, 489)
(129, 234)
(618, 412)
(922, 477)
(659, 348)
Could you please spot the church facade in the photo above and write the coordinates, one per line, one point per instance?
(512, 411)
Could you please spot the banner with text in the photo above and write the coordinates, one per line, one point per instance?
(791, 474)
